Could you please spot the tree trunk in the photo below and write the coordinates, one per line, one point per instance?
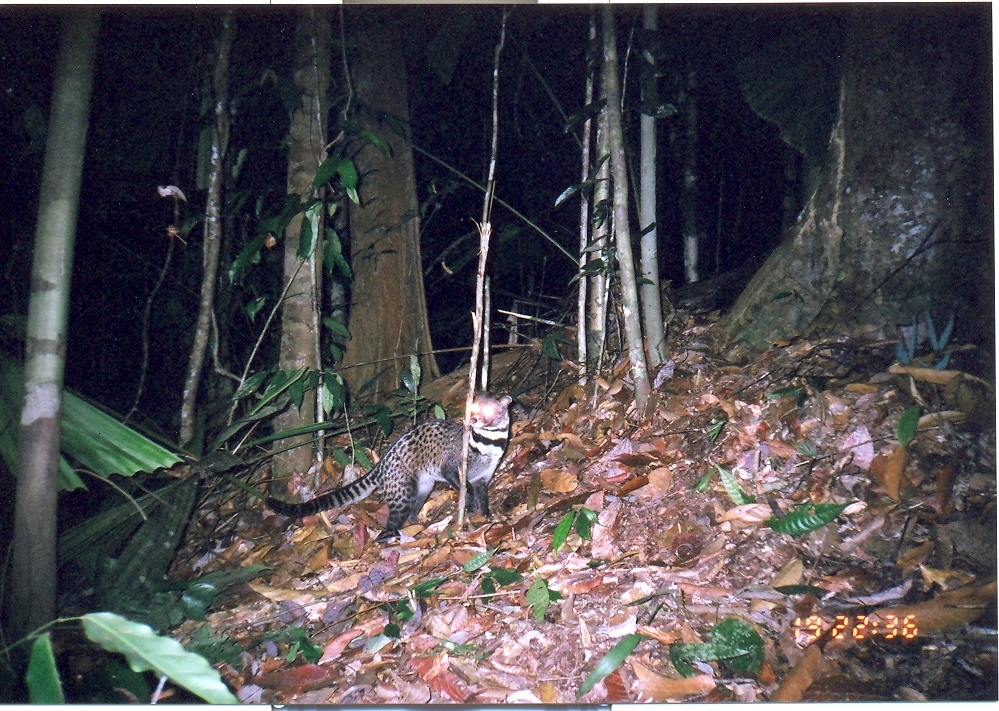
(622, 230)
(213, 231)
(388, 318)
(652, 310)
(900, 222)
(33, 566)
(689, 206)
(300, 311)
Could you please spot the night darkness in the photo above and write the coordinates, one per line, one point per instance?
(150, 101)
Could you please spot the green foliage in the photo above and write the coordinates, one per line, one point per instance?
(42, 678)
(89, 438)
(478, 560)
(807, 449)
(907, 424)
(733, 487)
(733, 642)
(716, 429)
(539, 597)
(300, 643)
(611, 661)
(806, 519)
(425, 588)
(796, 393)
(583, 521)
(145, 650)
(216, 647)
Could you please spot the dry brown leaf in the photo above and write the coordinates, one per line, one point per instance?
(616, 689)
(946, 579)
(746, 515)
(307, 677)
(929, 375)
(861, 388)
(559, 480)
(661, 636)
(302, 597)
(659, 480)
(801, 677)
(334, 648)
(893, 472)
(436, 671)
(633, 484)
(949, 609)
(914, 556)
(319, 560)
(791, 573)
(547, 692)
(344, 584)
(781, 449)
(660, 688)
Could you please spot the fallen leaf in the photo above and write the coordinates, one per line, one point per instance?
(302, 597)
(801, 677)
(893, 472)
(307, 677)
(344, 584)
(949, 609)
(659, 480)
(657, 687)
(929, 375)
(436, 671)
(914, 556)
(946, 579)
(335, 647)
(559, 480)
(548, 693)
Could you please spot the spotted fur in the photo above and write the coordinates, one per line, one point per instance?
(424, 455)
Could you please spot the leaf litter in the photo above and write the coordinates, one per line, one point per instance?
(664, 530)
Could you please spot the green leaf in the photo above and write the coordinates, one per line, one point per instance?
(336, 327)
(539, 597)
(806, 519)
(716, 429)
(549, 346)
(611, 661)
(733, 487)
(907, 425)
(702, 484)
(562, 530)
(253, 308)
(738, 645)
(505, 576)
(478, 560)
(807, 449)
(348, 178)
(439, 412)
(487, 585)
(42, 678)
(325, 171)
(584, 523)
(146, 650)
(424, 588)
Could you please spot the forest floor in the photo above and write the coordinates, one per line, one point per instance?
(670, 539)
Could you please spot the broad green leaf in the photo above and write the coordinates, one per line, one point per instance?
(478, 560)
(146, 650)
(42, 678)
(611, 661)
(505, 576)
(733, 487)
(425, 587)
(549, 346)
(584, 523)
(253, 308)
(806, 519)
(562, 530)
(539, 597)
(738, 645)
(702, 484)
(907, 425)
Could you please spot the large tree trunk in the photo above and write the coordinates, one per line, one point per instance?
(388, 316)
(33, 566)
(900, 222)
(300, 311)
